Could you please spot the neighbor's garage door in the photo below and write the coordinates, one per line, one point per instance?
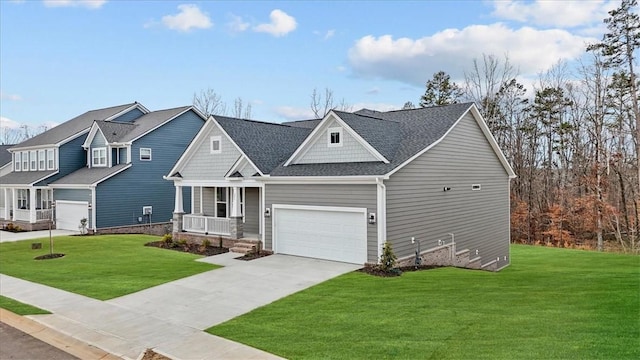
(69, 214)
(329, 233)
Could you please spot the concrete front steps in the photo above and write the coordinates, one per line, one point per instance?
(443, 255)
(243, 247)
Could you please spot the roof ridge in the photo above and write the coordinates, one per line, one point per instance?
(370, 117)
(425, 108)
(256, 121)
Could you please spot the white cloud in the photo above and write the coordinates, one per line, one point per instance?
(237, 24)
(294, 113)
(90, 4)
(189, 17)
(329, 34)
(563, 14)
(413, 61)
(6, 123)
(281, 24)
(10, 97)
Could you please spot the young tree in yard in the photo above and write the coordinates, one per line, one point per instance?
(618, 48)
(441, 91)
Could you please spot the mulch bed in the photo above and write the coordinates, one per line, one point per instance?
(152, 355)
(253, 255)
(189, 247)
(397, 271)
(48, 256)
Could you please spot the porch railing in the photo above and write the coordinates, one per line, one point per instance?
(206, 224)
(24, 214)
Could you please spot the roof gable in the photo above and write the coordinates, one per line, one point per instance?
(333, 119)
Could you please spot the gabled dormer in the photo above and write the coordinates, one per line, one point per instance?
(104, 146)
(334, 141)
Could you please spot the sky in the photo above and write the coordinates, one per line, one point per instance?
(61, 58)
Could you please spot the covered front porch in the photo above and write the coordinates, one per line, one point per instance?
(225, 211)
(31, 208)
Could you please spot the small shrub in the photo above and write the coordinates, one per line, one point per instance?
(206, 243)
(388, 257)
(17, 228)
(9, 227)
(167, 239)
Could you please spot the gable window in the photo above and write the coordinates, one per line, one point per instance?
(25, 161)
(99, 157)
(41, 160)
(34, 160)
(334, 137)
(216, 145)
(17, 159)
(145, 154)
(51, 162)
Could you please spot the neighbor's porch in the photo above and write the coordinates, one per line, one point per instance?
(225, 211)
(30, 207)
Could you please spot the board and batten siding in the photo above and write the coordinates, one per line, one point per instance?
(119, 199)
(320, 151)
(418, 206)
(204, 165)
(252, 211)
(354, 195)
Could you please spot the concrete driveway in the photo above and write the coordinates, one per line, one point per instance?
(210, 298)
(6, 236)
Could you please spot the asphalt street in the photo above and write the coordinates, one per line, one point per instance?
(14, 344)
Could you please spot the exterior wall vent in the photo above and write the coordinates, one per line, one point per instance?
(476, 187)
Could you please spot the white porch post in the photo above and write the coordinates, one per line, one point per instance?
(6, 204)
(178, 207)
(14, 203)
(235, 202)
(32, 205)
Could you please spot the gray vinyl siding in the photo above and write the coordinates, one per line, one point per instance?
(361, 196)
(209, 201)
(129, 116)
(418, 206)
(319, 151)
(252, 210)
(206, 166)
(119, 199)
(248, 170)
(98, 141)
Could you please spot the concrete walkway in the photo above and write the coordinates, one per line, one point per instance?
(7, 236)
(170, 318)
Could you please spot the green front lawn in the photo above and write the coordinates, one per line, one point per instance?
(549, 304)
(102, 267)
(19, 308)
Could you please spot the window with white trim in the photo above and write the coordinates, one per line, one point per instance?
(17, 161)
(216, 144)
(99, 157)
(145, 154)
(23, 198)
(334, 137)
(33, 157)
(25, 161)
(51, 161)
(221, 202)
(41, 160)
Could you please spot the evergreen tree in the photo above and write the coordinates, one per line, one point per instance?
(441, 91)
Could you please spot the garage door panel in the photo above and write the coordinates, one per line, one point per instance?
(326, 234)
(69, 214)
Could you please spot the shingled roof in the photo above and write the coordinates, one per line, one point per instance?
(266, 144)
(72, 127)
(5, 155)
(89, 176)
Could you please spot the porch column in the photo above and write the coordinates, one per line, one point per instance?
(32, 205)
(6, 204)
(235, 220)
(178, 211)
(14, 204)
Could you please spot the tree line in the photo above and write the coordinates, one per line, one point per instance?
(574, 142)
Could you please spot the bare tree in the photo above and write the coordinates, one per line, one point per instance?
(209, 102)
(241, 110)
(322, 103)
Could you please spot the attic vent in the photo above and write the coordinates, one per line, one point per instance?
(476, 187)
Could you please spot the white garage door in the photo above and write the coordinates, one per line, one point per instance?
(69, 214)
(329, 233)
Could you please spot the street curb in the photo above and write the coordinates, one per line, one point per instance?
(55, 338)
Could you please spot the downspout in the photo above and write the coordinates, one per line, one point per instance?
(93, 207)
(382, 213)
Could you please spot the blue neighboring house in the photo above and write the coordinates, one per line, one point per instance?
(105, 166)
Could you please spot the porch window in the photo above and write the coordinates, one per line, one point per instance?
(25, 161)
(99, 157)
(22, 196)
(51, 162)
(33, 156)
(41, 160)
(221, 202)
(17, 159)
(45, 196)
